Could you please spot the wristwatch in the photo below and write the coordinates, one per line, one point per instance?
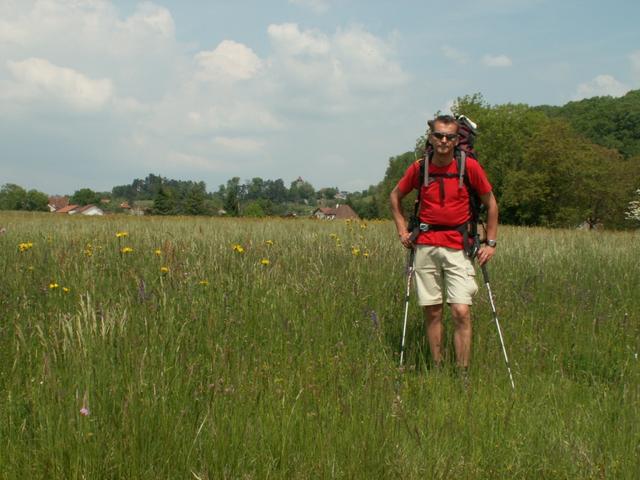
(492, 243)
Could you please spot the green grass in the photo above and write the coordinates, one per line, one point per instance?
(283, 371)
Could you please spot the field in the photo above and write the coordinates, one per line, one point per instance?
(219, 348)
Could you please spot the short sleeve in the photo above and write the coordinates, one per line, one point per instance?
(411, 178)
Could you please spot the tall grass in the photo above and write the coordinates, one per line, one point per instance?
(279, 359)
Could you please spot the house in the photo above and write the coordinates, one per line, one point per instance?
(89, 210)
(325, 213)
(340, 212)
(56, 202)
(67, 209)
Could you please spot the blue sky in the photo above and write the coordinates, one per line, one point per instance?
(94, 93)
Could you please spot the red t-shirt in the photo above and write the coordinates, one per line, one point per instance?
(448, 207)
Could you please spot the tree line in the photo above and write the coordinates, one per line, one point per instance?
(549, 166)
(159, 195)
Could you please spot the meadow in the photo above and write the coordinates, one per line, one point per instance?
(231, 348)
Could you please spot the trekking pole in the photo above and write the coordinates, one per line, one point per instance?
(485, 274)
(406, 305)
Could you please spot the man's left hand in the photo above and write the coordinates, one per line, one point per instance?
(485, 253)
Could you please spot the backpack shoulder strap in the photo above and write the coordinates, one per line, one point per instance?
(461, 158)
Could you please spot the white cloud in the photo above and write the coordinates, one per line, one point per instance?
(602, 85)
(44, 79)
(634, 58)
(150, 18)
(496, 61)
(239, 144)
(181, 161)
(454, 54)
(317, 6)
(158, 103)
(229, 61)
(288, 39)
(12, 34)
(329, 73)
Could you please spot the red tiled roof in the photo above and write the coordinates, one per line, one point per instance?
(327, 210)
(67, 209)
(345, 211)
(83, 208)
(58, 202)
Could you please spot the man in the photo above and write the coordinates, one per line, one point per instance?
(440, 258)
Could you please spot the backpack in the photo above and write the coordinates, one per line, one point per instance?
(467, 131)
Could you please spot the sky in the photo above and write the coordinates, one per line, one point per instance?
(95, 93)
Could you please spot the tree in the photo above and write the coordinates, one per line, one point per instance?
(255, 189)
(301, 191)
(610, 122)
(164, 202)
(633, 210)
(254, 209)
(194, 202)
(276, 191)
(12, 197)
(36, 201)
(395, 170)
(84, 196)
(327, 193)
(232, 193)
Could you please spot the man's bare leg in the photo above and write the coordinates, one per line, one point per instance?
(434, 329)
(462, 334)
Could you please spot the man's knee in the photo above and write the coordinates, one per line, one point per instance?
(461, 314)
(433, 313)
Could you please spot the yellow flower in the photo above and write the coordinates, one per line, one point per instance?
(121, 234)
(88, 252)
(264, 262)
(363, 226)
(238, 248)
(126, 250)
(158, 252)
(23, 247)
(164, 269)
(355, 251)
(269, 242)
(204, 282)
(53, 285)
(66, 290)
(334, 236)
(365, 254)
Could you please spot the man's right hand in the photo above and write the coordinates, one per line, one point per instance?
(405, 239)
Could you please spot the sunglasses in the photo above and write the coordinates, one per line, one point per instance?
(449, 136)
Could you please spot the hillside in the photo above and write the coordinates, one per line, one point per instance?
(607, 121)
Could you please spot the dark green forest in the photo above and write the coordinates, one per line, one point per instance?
(549, 166)
(555, 166)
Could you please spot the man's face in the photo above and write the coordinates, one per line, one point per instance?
(444, 137)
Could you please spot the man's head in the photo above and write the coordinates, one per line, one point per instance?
(443, 134)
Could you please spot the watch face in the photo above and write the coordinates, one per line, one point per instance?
(491, 243)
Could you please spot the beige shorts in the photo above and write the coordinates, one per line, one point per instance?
(438, 266)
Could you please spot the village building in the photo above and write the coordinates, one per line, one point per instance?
(88, 210)
(56, 202)
(340, 212)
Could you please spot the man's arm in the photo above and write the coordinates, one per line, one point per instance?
(398, 217)
(486, 252)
